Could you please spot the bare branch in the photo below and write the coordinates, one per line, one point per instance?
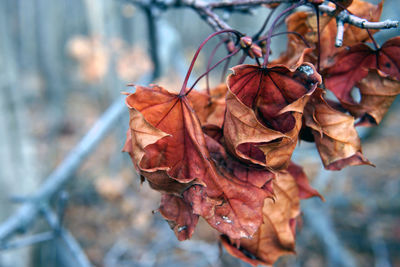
(211, 18)
(205, 10)
(348, 18)
(233, 4)
(22, 219)
(327, 9)
(340, 33)
(29, 240)
(247, 3)
(345, 17)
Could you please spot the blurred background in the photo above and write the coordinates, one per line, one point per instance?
(64, 62)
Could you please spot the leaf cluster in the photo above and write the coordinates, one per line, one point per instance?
(225, 154)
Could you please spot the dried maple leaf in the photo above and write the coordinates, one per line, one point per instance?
(158, 180)
(378, 91)
(305, 23)
(239, 211)
(340, 4)
(210, 108)
(228, 165)
(236, 212)
(296, 53)
(334, 134)
(276, 236)
(170, 140)
(263, 115)
(305, 190)
(354, 65)
(179, 215)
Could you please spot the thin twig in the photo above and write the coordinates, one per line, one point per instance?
(206, 11)
(327, 9)
(261, 30)
(221, 42)
(340, 33)
(232, 5)
(345, 17)
(318, 36)
(211, 18)
(365, 24)
(249, 3)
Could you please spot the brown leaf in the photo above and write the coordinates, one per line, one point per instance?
(170, 139)
(236, 212)
(305, 23)
(179, 215)
(140, 135)
(276, 236)
(305, 190)
(296, 53)
(227, 165)
(210, 109)
(354, 35)
(378, 91)
(230, 205)
(243, 129)
(341, 4)
(239, 211)
(158, 180)
(263, 115)
(355, 65)
(334, 134)
(162, 182)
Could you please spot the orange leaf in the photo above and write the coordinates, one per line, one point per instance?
(305, 23)
(276, 236)
(296, 53)
(305, 190)
(238, 212)
(378, 91)
(355, 65)
(365, 10)
(158, 180)
(210, 109)
(175, 143)
(263, 115)
(229, 166)
(179, 215)
(334, 134)
(179, 152)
